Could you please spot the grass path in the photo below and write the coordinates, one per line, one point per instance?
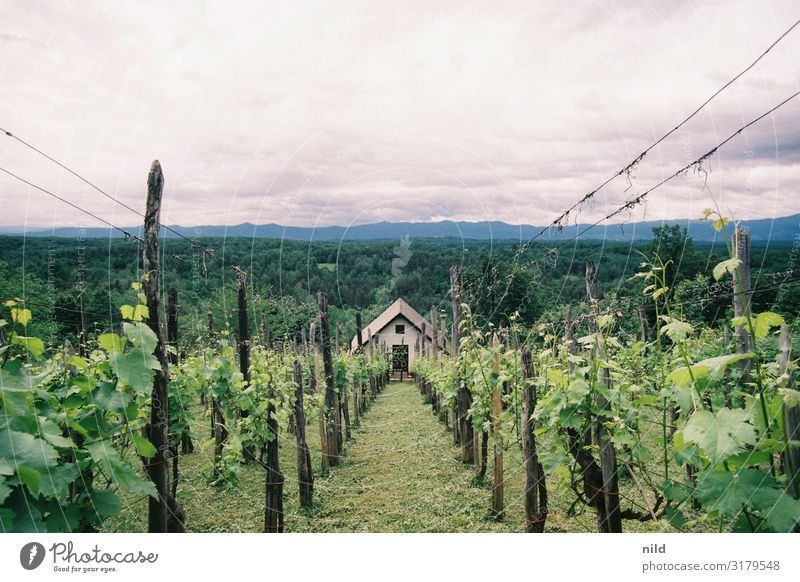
(399, 473)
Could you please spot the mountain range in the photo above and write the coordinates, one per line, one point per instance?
(782, 229)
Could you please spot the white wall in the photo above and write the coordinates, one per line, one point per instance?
(390, 338)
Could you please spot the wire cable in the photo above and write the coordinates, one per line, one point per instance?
(696, 163)
(627, 168)
(97, 188)
(127, 234)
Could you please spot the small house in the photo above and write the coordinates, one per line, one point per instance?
(402, 332)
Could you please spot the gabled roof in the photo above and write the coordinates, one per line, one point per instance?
(399, 307)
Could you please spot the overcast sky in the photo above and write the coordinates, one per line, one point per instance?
(319, 113)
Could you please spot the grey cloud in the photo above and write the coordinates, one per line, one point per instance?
(473, 112)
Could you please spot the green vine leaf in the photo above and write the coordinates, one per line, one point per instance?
(675, 329)
(727, 266)
(21, 316)
(720, 434)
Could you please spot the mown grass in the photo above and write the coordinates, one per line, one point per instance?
(399, 473)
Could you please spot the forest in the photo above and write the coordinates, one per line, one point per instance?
(630, 388)
(59, 277)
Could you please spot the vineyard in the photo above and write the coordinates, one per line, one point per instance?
(570, 424)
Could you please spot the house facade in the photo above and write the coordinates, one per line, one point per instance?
(399, 329)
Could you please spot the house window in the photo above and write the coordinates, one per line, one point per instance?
(400, 329)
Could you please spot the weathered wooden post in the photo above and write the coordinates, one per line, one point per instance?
(187, 446)
(331, 399)
(244, 345)
(305, 472)
(315, 366)
(421, 382)
(218, 430)
(742, 298)
(82, 338)
(535, 486)
(358, 388)
(370, 380)
(592, 294)
(791, 415)
(344, 399)
(310, 347)
(443, 334)
(172, 325)
(569, 336)
(643, 324)
(463, 395)
(157, 429)
(434, 335)
(608, 456)
(274, 478)
(497, 411)
(373, 382)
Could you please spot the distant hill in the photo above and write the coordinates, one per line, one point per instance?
(781, 229)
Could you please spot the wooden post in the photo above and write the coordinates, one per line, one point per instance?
(742, 298)
(157, 429)
(358, 388)
(422, 339)
(535, 486)
(172, 325)
(345, 409)
(359, 337)
(312, 352)
(274, 478)
(497, 411)
(244, 331)
(370, 380)
(373, 382)
(315, 366)
(434, 335)
(569, 336)
(212, 334)
(82, 339)
(187, 446)
(643, 323)
(463, 395)
(592, 295)
(608, 456)
(305, 472)
(443, 334)
(791, 415)
(331, 399)
(244, 345)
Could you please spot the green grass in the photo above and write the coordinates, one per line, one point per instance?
(399, 473)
